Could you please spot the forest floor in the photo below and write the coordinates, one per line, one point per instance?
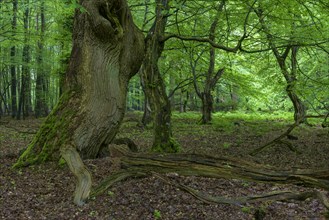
(45, 191)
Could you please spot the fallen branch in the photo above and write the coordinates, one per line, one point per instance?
(143, 165)
(276, 140)
(138, 165)
(240, 201)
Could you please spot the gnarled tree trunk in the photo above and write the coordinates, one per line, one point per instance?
(290, 76)
(212, 77)
(154, 85)
(107, 51)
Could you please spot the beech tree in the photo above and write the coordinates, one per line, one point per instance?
(108, 50)
(154, 85)
(212, 76)
(12, 66)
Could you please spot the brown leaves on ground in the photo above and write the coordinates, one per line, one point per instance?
(45, 191)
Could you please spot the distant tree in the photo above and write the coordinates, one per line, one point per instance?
(41, 108)
(24, 104)
(12, 66)
(212, 75)
(286, 36)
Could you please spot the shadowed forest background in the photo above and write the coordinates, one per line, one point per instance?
(208, 109)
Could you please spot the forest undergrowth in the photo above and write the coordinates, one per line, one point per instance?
(45, 191)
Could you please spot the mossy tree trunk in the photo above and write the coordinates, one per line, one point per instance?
(108, 50)
(154, 85)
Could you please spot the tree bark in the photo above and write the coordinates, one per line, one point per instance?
(154, 85)
(207, 107)
(108, 50)
(25, 105)
(41, 108)
(12, 66)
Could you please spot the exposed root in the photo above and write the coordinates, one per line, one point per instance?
(83, 176)
(114, 178)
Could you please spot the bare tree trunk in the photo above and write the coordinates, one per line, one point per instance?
(299, 107)
(24, 106)
(12, 66)
(41, 108)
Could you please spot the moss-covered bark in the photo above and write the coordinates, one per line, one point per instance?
(154, 85)
(54, 132)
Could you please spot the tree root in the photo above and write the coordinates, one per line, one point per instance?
(115, 178)
(83, 176)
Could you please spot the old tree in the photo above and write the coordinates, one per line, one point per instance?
(90, 111)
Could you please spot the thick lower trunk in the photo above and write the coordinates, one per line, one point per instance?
(207, 107)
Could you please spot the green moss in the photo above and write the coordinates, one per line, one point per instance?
(171, 147)
(52, 134)
(61, 162)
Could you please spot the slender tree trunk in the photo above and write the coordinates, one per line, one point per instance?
(13, 66)
(171, 88)
(290, 76)
(234, 98)
(24, 106)
(299, 107)
(6, 90)
(41, 108)
(291, 79)
(147, 114)
(183, 100)
(212, 77)
(154, 85)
